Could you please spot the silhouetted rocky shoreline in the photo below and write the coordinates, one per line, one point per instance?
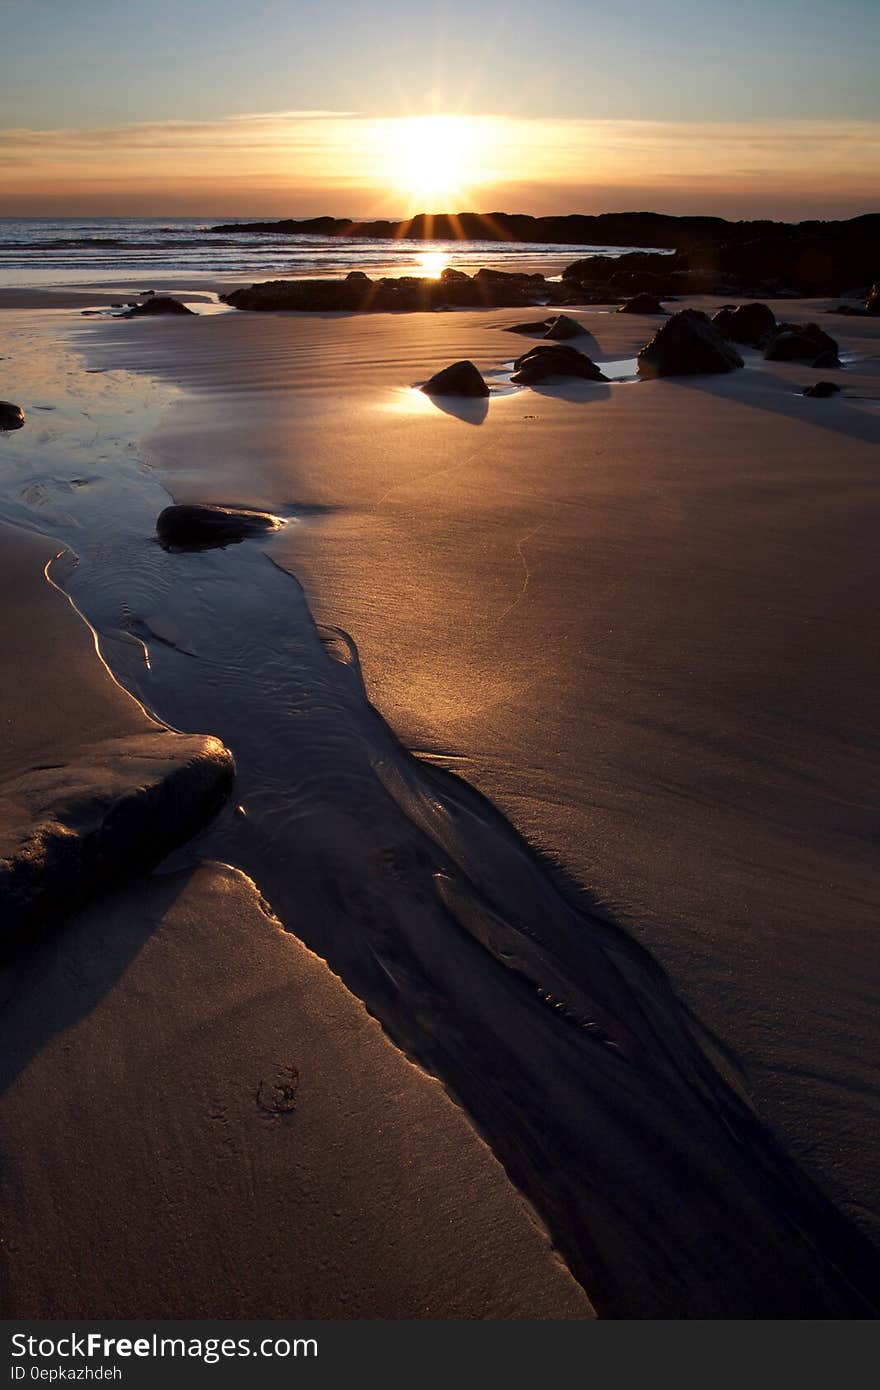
(711, 255)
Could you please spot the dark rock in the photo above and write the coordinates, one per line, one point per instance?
(159, 304)
(687, 344)
(557, 360)
(723, 318)
(872, 303)
(828, 361)
(798, 342)
(11, 416)
(751, 324)
(407, 293)
(557, 328)
(821, 389)
(534, 328)
(851, 310)
(358, 277)
(459, 379)
(642, 304)
(119, 807)
(562, 327)
(204, 527)
(510, 277)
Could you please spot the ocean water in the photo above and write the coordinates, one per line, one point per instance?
(82, 251)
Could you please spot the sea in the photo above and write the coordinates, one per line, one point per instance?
(82, 251)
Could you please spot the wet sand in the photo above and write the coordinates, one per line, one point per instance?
(155, 1164)
(635, 616)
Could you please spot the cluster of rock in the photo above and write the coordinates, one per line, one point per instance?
(687, 343)
(11, 416)
(358, 293)
(777, 266)
(869, 309)
(755, 325)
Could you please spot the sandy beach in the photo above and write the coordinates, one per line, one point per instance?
(626, 630)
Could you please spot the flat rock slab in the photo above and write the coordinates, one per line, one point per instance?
(203, 527)
(70, 829)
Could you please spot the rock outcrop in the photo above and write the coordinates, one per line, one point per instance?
(687, 344)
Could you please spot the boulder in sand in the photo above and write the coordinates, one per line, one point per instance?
(117, 808)
(204, 527)
(561, 327)
(748, 324)
(459, 379)
(821, 389)
(157, 304)
(11, 416)
(687, 344)
(642, 304)
(557, 360)
(798, 342)
(557, 328)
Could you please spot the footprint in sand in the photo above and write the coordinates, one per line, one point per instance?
(277, 1096)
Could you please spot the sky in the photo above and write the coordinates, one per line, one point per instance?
(298, 108)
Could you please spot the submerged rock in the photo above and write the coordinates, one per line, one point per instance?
(117, 808)
(459, 379)
(157, 304)
(545, 361)
(796, 342)
(11, 416)
(642, 304)
(687, 344)
(821, 389)
(202, 527)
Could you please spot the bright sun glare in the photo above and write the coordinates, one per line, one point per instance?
(436, 161)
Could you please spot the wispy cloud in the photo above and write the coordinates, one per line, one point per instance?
(309, 161)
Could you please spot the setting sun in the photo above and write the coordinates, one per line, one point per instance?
(436, 161)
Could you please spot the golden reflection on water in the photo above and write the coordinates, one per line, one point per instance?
(432, 263)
